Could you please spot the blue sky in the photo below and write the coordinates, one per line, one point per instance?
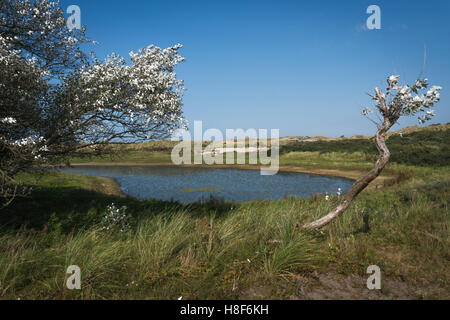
(303, 67)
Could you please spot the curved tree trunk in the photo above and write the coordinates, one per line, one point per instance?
(362, 183)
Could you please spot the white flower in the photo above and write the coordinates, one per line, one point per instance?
(8, 120)
(394, 78)
(436, 88)
(404, 90)
(393, 81)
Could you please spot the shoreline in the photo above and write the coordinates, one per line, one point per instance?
(114, 187)
(350, 174)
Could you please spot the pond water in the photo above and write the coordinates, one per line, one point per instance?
(189, 184)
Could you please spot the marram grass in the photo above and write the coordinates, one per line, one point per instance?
(218, 250)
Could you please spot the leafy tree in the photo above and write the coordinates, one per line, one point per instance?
(398, 101)
(57, 102)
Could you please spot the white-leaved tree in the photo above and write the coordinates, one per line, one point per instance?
(57, 102)
(397, 101)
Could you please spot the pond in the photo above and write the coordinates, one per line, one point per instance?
(190, 184)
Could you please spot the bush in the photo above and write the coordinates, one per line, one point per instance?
(421, 148)
(116, 219)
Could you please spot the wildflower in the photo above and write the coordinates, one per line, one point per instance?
(8, 120)
(116, 218)
(393, 81)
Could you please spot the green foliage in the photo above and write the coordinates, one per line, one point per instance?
(421, 148)
(116, 219)
(348, 146)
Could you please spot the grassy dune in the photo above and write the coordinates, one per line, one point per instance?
(216, 249)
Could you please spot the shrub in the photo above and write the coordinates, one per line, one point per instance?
(421, 148)
(116, 219)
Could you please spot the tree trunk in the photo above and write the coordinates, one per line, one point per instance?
(363, 182)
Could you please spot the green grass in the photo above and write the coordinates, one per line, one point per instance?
(216, 249)
(423, 149)
(224, 250)
(420, 148)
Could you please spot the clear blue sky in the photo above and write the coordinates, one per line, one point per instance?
(300, 66)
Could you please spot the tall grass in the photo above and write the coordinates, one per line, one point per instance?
(160, 248)
(217, 255)
(218, 249)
